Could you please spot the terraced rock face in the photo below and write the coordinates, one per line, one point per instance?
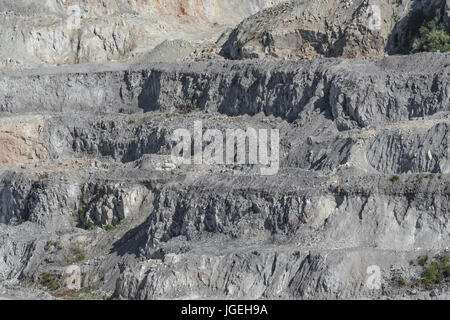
(93, 203)
(87, 179)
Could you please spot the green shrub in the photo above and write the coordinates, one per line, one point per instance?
(49, 245)
(76, 255)
(423, 261)
(436, 272)
(51, 281)
(109, 227)
(432, 37)
(88, 226)
(395, 178)
(446, 272)
(80, 257)
(82, 209)
(400, 282)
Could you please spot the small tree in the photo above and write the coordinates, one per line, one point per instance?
(432, 37)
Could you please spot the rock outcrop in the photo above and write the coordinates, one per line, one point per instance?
(336, 28)
(66, 32)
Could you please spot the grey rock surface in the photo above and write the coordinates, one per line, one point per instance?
(353, 94)
(189, 231)
(92, 204)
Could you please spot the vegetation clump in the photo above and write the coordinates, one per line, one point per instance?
(51, 281)
(399, 281)
(79, 258)
(423, 261)
(395, 178)
(432, 37)
(436, 272)
(109, 227)
(88, 226)
(76, 256)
